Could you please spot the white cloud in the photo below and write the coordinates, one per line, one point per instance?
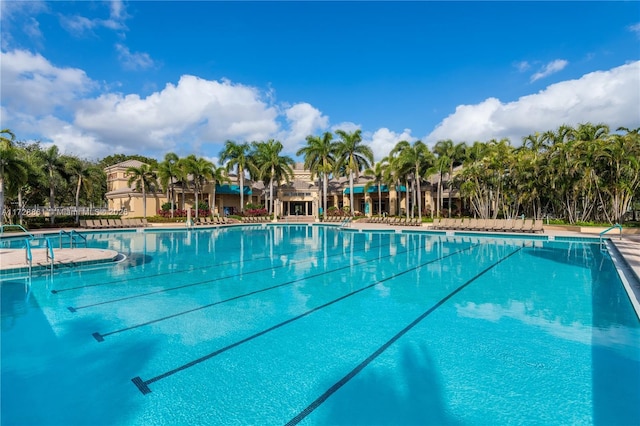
(551, 68)
(22, 12)
(79, 25)
(611, 97)
(133, 61)
(635, 28)
(31, 84)
(522, 66)
(347, 126)
(193, 111)
(384, 140)
(304, 120)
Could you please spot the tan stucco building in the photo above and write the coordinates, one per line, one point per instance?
(300, 197)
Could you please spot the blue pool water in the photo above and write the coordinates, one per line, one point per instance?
(314, 325)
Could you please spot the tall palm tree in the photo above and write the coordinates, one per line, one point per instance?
(319, 158)
(378, 178)
(450, 155)
(168, 172)
(14, 171)
(236, 156)
(54, 165)
(85, 174)
(418, 158)
(352, 157)
(218, 176)
(270, 164)
(200, 170)
(145, 180)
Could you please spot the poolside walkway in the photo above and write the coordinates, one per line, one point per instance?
(15, 261)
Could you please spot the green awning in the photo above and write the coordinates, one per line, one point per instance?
(373, 189)
(232, 190)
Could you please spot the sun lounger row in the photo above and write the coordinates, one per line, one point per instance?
(396, 221)
(113, 223)
(217, 220)
(335, 218)
(256, 219)
(490, 225)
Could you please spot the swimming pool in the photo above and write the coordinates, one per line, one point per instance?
(316, 325)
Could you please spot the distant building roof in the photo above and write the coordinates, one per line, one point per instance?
(125, 165)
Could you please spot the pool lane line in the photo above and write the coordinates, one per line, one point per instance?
(143, 385)
(215, 265)
(270, 268)
(100, 336)
(322, 398)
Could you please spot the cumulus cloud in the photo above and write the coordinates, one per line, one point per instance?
(31, 84)
(383, 140)
(195, 110)
(303, 120)
(551, 68)
(133, 61)
(347, 126)
(611, 97)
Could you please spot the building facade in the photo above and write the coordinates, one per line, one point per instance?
(302, 197)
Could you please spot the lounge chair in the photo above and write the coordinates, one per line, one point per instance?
(527, 226)
(517, 225)
(493, 225)
(470, 224)
(537, 226)
(83, 223)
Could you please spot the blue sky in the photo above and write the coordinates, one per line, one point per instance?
(144, 77)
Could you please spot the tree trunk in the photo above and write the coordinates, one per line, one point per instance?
(52, 198)
(78, 199)
(351, 202)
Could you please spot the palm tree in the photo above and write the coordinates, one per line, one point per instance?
(236, 156)
(352, 157)
(319, 158)
(450, 155)
(418, 158)
(218, 176)
(200, 170)
(145, 179)
(269, 164)
(14, 171)
(54, 166)
(377, 173)
(86, 175)
(168, 172)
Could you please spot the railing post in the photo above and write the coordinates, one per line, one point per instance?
(50, 255)
(28, 254)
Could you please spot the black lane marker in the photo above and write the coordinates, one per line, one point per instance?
(315, 404)
(100, 337)
(215, 265)
(143, 385)
(270, 268)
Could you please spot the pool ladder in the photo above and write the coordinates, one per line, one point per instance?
(616, 226)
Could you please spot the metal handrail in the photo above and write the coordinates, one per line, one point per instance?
(50, 255)
(74, 232)
(617, 225)
(71, 237)
(3, 227)
(28, 254)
